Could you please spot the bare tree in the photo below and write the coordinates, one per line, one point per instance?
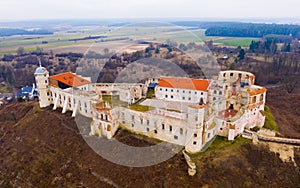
(171, 43)
(20, 50)
(106, 51)
(39, 49)
(290, 83)
(51, 53)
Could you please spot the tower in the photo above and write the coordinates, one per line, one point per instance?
(42, 82)
(195, 121)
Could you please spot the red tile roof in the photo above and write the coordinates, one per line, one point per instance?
(70, 79)
(184, 83)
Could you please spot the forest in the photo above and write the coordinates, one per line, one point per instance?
(253, 30)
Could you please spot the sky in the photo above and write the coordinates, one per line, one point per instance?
(97, 9)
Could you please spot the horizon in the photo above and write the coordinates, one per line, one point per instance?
(38, 23)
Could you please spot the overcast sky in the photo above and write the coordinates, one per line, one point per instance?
(53, 9)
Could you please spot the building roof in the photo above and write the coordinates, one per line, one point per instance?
(27, 89)
(24, 91)
(70, 79)
(184, 83)
(152, 85)
(21, 94)
(197, 106)
(40, 70)
(258, 91)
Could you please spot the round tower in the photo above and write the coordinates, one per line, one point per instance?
(42, 82)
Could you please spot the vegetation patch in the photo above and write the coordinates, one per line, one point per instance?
(173, 110)
(223, 146)
(150, 93)
(114, 100)
(4, 89)
(244, 42)
(140, 108)
(270, 122)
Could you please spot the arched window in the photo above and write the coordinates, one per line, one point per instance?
(201, 101)
(261, 97)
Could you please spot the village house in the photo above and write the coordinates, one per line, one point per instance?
(28, 92)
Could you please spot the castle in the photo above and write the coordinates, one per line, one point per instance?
(182, 111)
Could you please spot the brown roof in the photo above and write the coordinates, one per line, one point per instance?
(262, 113)
(258, 91)
(70, 79)
(197, 106)
(184, 83)
(231, 126)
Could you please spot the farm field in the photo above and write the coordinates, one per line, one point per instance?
(64, 40)
(243, 42)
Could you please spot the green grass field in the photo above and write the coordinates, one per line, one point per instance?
(21, 41)
(183, 36)
(27, 49)
(140, 108)
(11, 44)
(243, 42)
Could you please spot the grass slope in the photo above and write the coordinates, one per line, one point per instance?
(270, 122)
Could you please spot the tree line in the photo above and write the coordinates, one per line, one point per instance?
(10, 32)
(253, 30)
(270, 46)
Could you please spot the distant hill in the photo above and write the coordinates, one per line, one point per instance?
(10, 32)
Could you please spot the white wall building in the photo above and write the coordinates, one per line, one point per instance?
(187, 112)
(182, 90)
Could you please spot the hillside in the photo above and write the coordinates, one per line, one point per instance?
(43, 148)
(285, 108)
